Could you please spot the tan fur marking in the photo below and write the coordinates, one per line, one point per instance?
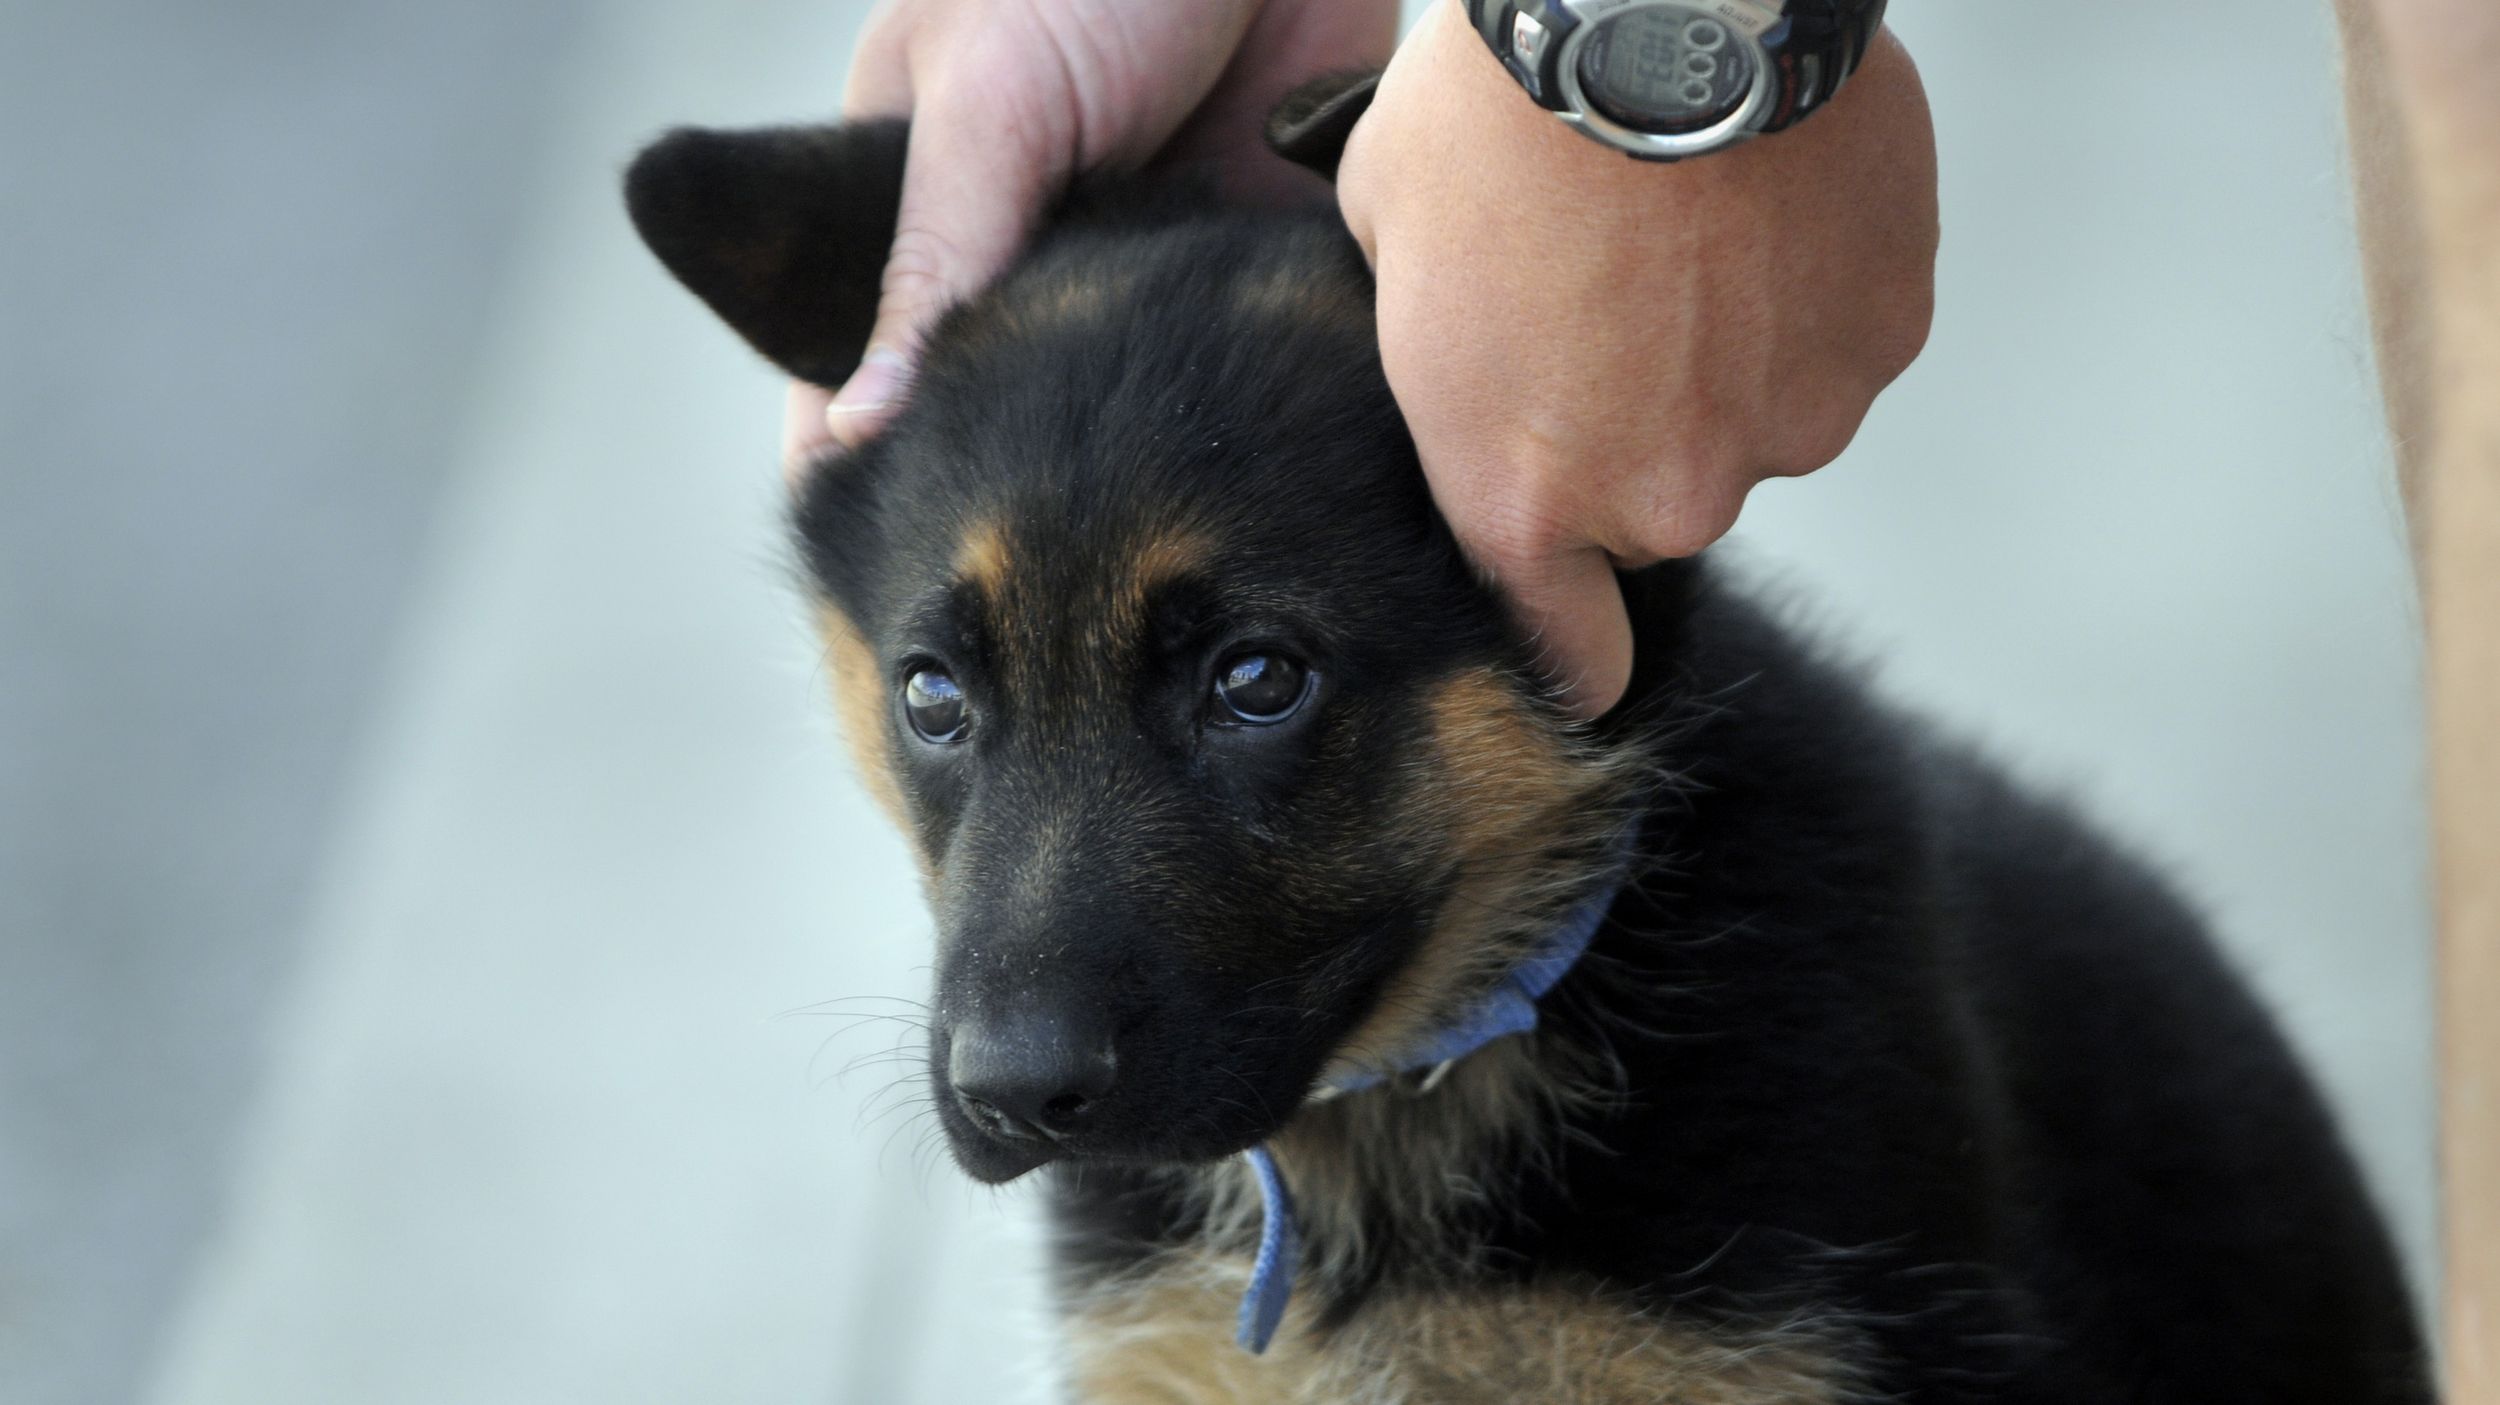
(1165, 1338)
(1500, 783)
(1385, 1168)
(1151, 562)
(981, 558)
(859, 706)
(1156, 560)
(1104, 626)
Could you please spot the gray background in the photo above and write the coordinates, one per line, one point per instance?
(422, 848)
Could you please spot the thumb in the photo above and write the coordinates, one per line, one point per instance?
(1573, 609)
(974, 183)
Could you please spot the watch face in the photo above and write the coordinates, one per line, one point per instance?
(1666, 69)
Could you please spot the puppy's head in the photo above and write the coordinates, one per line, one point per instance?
(1222, 768)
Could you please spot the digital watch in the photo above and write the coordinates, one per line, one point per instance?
(1665, 79)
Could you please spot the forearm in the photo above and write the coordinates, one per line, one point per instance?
(2425, 116)
(2389, 219)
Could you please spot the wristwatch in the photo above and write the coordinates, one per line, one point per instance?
(1665, 79)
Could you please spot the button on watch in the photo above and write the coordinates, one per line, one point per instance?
(1667, 79)
(1527, 45)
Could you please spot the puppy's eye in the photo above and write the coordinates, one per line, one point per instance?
(936, 706)
(1261, 688)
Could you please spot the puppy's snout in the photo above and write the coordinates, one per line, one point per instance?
(1029, 1077)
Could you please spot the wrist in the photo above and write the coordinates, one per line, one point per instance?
(1671, 80)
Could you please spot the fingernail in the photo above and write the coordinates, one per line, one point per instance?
(871, 387)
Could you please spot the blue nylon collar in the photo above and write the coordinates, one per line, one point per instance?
(1507, 1009)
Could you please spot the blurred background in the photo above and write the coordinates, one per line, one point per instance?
(425, 861)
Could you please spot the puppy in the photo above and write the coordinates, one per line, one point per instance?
(1386, 1036)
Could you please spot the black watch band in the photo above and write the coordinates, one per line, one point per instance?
(1803, 51)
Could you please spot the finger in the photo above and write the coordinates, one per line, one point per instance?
(1673, 510)
(879, 84)
(977, 177)
(804, 434)
(1357, 191)
(1366, 175)
(1573, 610)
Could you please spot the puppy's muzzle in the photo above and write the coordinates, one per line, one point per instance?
(1030, 1077)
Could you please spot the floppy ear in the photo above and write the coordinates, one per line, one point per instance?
(1310, 126)
(782, 230)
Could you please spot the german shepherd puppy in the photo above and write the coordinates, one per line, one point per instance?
(1232, 787)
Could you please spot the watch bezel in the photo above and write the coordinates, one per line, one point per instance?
(1746, 21)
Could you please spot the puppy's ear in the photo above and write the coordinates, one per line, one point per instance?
(783, 230)
(1310, 126)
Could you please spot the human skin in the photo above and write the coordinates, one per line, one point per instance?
(2425, 117)
(1599, 357)
(1706, 325)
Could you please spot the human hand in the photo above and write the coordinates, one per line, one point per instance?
(1599, 357)
(1011, 99)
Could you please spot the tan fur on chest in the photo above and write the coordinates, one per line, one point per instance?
(1166, 1338)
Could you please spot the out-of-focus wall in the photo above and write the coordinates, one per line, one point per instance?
(424, 859)
(246, 255)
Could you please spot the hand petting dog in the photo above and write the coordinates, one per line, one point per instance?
(1010, 102)
(1598, 357)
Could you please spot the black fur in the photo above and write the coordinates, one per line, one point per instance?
(1311, 126)
(1897, 1050)
(749, 221)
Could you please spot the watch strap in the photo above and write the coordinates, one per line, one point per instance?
(1827, 40)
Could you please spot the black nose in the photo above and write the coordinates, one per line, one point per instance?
(1028, 1077)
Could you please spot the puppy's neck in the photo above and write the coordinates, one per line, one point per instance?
(1389, 1179)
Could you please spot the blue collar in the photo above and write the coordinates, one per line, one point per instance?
(1507, 1009)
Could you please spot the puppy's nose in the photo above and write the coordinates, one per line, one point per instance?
(1028, 1077)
